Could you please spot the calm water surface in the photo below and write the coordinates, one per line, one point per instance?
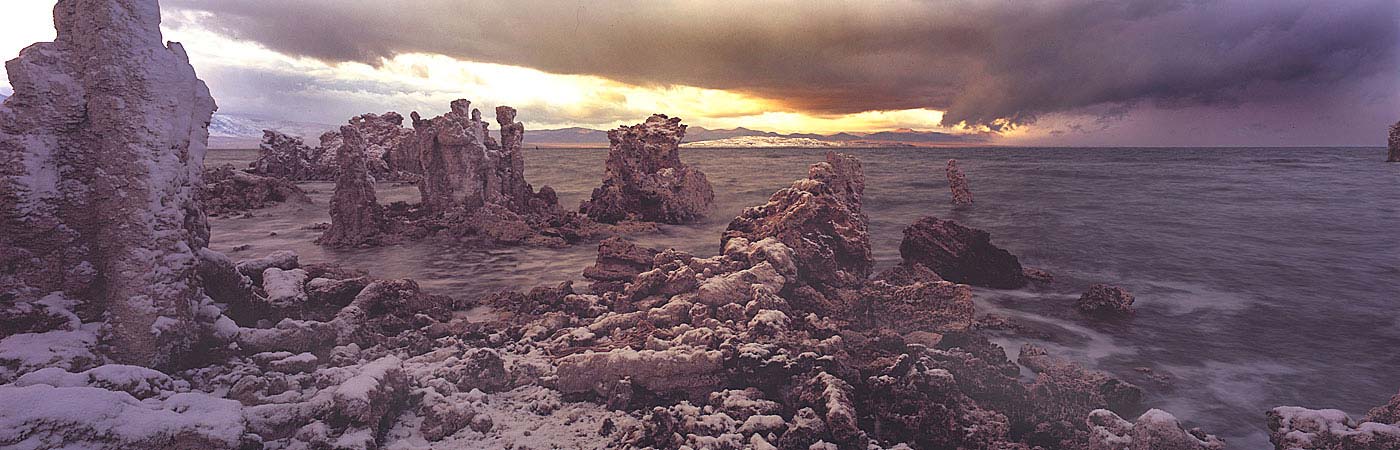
(1264, 277)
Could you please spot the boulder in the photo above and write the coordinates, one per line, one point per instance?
(1105, 300)
(820, 218)
(960, 254)
(101, 151)
(356, 217)
(227, 190)
(957, 182)
(645, 179)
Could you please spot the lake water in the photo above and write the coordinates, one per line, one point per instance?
(1264, 277)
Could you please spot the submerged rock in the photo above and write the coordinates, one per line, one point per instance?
(1393, 142)
(356, 217)
(1105, 300)
(820, 218)
(960, 254)
(957, 182)
(646, 180)
(101, 152)
(228, 190)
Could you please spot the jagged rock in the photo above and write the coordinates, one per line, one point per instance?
(619, 262)
(924, 305)
(288, 157)
(101, 149)
(960, 254)
(645, 179)
(1064, 393)
(356, 217)
(957, 182)
(1394, 143)
(1295, 428)
(1153, 430)
(820, 218)
(389, 147)
(228, 190)
(1387, 413)
(460, 170)
(1105, 300)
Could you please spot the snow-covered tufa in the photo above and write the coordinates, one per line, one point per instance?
(101, 149)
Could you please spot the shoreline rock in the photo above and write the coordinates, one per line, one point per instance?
(1105, 301)
(961, 254)
(645, 179)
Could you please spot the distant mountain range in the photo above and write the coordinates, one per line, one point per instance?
(235, 131)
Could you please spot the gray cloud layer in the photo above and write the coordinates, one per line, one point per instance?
(979, 60)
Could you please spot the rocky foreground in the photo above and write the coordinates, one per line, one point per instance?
(126, 331)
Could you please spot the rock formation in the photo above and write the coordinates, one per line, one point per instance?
(101, 149)
(389, 147)
(356, 217)
(820, 218)
(645, 179)
(957, 182)
(1296, 428)
(461, 170)
(1393, 142)
(960, 254)
(227, 190)
(287, 157)
(1105, 300)
(390, 152)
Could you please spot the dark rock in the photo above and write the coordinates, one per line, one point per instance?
(228, 190)
(1394, 143)
(960, 254)
(619, 262)
(646, 180)
(1105, 300)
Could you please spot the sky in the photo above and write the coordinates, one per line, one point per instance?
(1040, 72)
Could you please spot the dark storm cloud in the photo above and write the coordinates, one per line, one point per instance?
(979, 61)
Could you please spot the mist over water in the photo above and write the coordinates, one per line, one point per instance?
(1264, 277)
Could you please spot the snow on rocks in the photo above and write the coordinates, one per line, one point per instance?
(107, 107)
(1153, 430)
(1292, 427)
(645, 179)
(46, 416)
(957, 183)
(960, 254)
(820, 219)
(677, 369)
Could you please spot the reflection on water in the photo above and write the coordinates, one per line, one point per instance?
(1264, 277)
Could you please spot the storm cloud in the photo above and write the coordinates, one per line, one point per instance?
(980, 61)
